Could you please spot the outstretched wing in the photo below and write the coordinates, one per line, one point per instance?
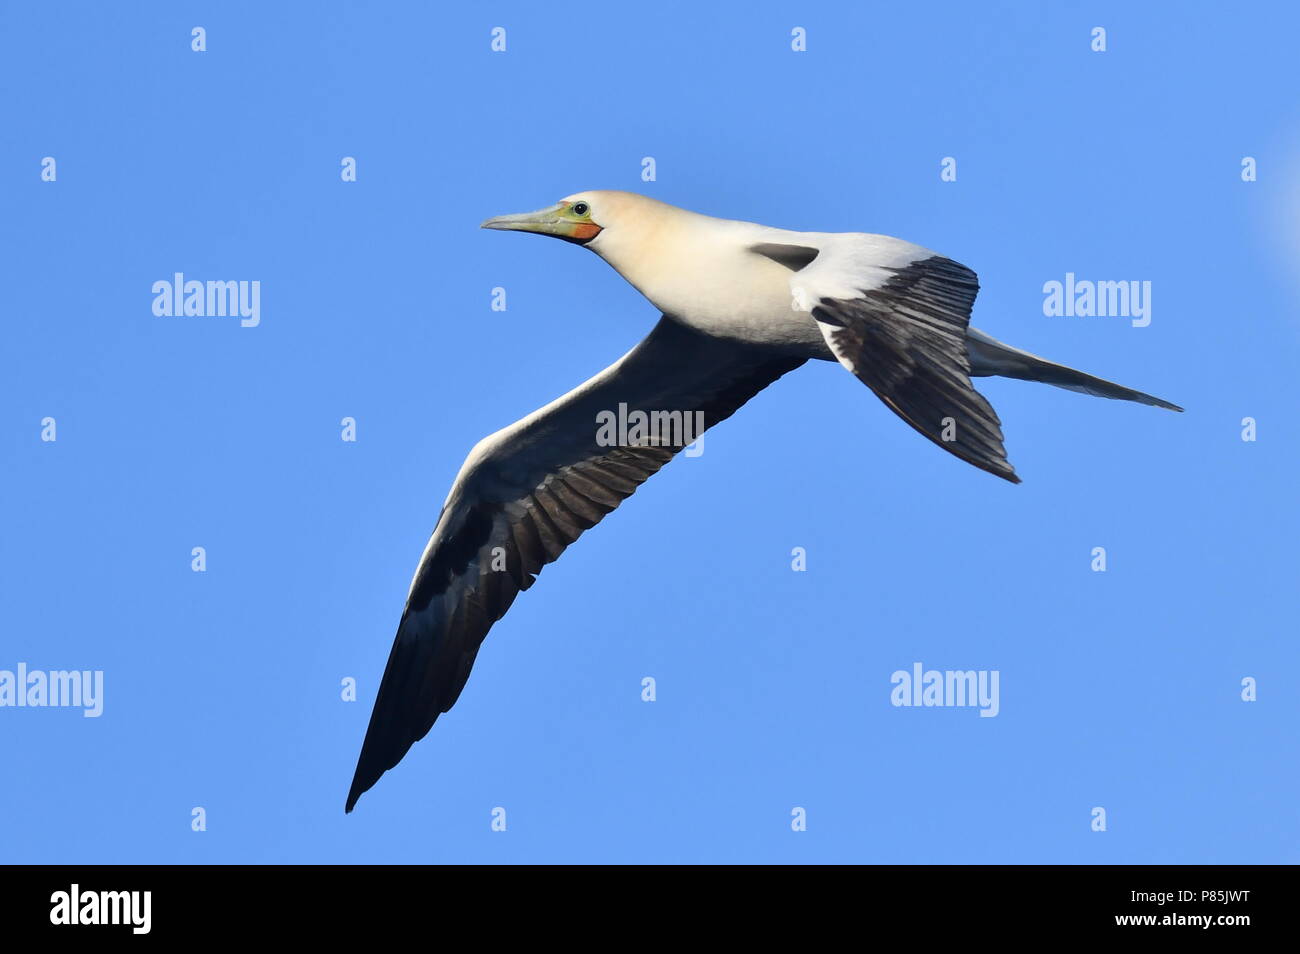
(895, 315)
(526, 493)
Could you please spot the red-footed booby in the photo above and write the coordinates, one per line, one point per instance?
(742, 305)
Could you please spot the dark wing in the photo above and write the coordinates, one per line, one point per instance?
(895, 315)
(525, 494)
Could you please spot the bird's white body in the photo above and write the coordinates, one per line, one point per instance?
(704, 272)
(700, 270)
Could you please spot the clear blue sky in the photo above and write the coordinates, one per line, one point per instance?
(222, 689)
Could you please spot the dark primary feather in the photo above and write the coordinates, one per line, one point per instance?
(522, 500)
(907, 342)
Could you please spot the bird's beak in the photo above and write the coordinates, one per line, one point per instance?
(558, 221)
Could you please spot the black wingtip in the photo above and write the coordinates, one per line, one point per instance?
(1000, 468)
(354, 794)
(370, 769)
(1153, 401)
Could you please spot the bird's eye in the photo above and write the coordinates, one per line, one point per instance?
(581, 208)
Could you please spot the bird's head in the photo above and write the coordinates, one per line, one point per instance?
(599, 215)
(575, 218)
(631, 232)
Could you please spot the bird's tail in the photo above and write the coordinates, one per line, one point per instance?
(988, 356)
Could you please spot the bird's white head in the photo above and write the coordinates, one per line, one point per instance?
(657, 247)
(596, 218)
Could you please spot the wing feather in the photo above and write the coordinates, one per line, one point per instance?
(896, 316)
(525, 494)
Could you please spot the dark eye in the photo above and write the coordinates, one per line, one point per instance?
(581, 208)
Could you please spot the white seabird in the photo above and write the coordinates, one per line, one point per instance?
(742, 305)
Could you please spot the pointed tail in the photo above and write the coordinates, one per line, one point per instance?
(988, 356)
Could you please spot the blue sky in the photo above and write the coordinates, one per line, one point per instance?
(1118, 690)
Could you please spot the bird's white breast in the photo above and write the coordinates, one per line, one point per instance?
(708, 277)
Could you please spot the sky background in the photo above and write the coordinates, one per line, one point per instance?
(222, 689)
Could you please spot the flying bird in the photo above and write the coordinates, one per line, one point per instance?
(742, 304)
